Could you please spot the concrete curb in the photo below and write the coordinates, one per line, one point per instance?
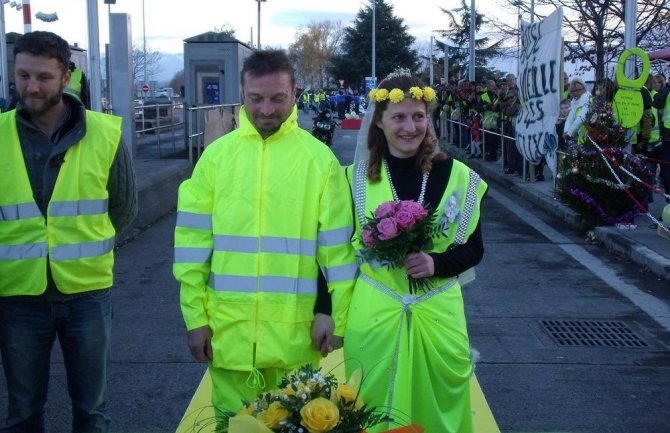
(638, 253)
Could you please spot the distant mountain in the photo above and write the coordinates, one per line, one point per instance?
(170, 64)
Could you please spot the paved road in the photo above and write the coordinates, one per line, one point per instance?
(533, 272)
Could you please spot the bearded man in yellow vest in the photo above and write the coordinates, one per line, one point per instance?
(262, 243)
(66, 188)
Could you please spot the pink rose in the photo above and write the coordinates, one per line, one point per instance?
(368, 238)
(416, 209)
(404, 220)
(387, 229)
(385, 210)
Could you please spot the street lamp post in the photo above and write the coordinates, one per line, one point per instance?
(473, 13)
(259, 23)
(94, 55)
(374, 37)
(446, 54)
(3, 54)
(144, 41)
(432, 42)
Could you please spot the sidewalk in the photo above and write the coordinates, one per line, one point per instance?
(642, 244)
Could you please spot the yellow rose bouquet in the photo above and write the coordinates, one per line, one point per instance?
(308, 401)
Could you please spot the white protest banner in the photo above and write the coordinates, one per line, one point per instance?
(539, 89)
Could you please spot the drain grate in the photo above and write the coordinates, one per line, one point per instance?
(596, 333)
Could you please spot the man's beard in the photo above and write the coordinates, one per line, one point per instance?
(39, 106)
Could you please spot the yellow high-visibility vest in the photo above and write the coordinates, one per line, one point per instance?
(465, 191)
(77, 235)
(74, 86)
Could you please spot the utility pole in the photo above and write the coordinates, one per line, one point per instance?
(258, 45)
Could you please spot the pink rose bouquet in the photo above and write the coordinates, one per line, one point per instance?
(396, 229)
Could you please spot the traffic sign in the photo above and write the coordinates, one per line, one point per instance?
(145, 88)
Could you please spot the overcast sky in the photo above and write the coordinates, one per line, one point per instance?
(168, 22)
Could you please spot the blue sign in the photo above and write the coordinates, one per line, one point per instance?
(370, 83)
(212, 93)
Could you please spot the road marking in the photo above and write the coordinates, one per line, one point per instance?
(656, 309)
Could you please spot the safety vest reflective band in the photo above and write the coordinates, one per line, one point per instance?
(30, 251)
(264, 244)
(19, 211)
(264, 283)
(77, 235)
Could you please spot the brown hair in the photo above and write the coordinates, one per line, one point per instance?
(377, 144)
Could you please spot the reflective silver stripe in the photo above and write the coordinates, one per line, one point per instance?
(194, 220)
(235, 244)
(77, 207)
(192, 255)
(268, 284)
(19, 211)
(303, 247)
(298, 286)
(85, 249)
(341, 273)
(268, 244)
(468, 208)
(335, 237)
(17, 252)
(360, 178)
(233, 283)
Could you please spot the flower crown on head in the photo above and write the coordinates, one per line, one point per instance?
(397, 95)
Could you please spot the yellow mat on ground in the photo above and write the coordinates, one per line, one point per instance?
(199, 414)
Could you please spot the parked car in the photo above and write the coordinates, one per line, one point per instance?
(139, 108)
(165, 92)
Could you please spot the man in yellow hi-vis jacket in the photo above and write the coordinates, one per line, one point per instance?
(262, 243)
(67, 188)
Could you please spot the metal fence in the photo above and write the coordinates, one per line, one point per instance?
(157, 118)
(448, 132)
(195, 126)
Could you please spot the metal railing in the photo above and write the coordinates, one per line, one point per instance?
(155, 123)
(447, 132)
(195, 121)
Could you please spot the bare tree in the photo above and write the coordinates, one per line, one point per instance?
(312, 51)
(594, 29)
(152, 62)
(177, 82)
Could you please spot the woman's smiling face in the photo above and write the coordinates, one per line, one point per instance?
(405, 125)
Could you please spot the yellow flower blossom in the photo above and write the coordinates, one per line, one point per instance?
(396, 95)
(319, 415)
(381, 95)
(428, 94)
(274, 414)
(348, 395)
(416, 93)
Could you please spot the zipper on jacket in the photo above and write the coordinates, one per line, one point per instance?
(258, 237)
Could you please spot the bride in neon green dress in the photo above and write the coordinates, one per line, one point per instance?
(413, 349)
